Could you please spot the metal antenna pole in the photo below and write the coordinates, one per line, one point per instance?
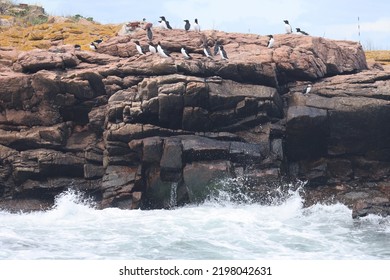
(359, 28)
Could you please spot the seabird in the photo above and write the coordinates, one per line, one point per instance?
(196, 26)
(216, 47)
(152, 47)
(222, 52)
(207, 51)
(98, 41)
(92, 46)
(270, 41)
(187, 26)
(149, 33)
(162, 52)
(288, 27)
(163, 22)
(77, 47)
(186, 55)
(301, 32)
(138, 47)
(307, 89)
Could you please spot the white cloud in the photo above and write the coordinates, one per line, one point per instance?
(380, 25)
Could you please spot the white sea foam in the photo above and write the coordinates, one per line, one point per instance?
(75, 229)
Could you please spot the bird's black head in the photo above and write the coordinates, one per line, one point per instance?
(270, 36)
(298, 29)
(162, 18)
(196, 20)
(221, 47)
(186, 20)
(286, 21)
(136, 42)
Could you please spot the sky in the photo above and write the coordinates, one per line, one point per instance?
(334, 19)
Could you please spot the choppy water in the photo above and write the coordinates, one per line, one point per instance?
(73, 229)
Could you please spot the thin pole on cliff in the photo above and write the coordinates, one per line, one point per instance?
(359, 28)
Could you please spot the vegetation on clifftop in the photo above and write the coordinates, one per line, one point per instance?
(27, 27)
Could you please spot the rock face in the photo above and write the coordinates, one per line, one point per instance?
(144, 131)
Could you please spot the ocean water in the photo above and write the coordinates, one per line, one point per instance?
(217, 229)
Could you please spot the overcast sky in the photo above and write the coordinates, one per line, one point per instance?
(336, 19)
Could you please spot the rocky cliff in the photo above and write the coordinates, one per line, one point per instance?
(144, 131)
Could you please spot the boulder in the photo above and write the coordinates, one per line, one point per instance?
(35, 60)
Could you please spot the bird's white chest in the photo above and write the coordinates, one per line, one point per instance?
(271, 43)
(288, 28)
(152, 49)
(139, 49)
(183, 51)
(196, 27)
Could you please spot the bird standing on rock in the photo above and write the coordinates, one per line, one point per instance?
(216, 47)
(271, 41)
(301, 32)
(185, 53)
(222, 52)
(168, 25)
(187, 26)
(98, 41)
(93, 46)
(307, 89)
(196, 26)
(206, 51)
(163, 23)
(149, 34)
(162, 52)
(152, 47)
(138, 47)
(287, 27)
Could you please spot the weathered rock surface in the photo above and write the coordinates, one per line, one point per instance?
(143, 131)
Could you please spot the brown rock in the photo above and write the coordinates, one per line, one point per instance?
(36, 60)
(199, 176)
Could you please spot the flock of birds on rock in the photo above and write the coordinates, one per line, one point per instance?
(218, 47)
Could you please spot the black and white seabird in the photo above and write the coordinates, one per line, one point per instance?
(98, 41)
(222, 52)
(206, 50)
(77, 47)
(162, 52)
(287, 27)
(93, 46)
(152, 47)
(187, 26)
(216, 47)
(163, 22)
(185, 53)
(270, 41)
(301, 32)
(307, 89)
(138, 47)
(196, 26)
(149, 33)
